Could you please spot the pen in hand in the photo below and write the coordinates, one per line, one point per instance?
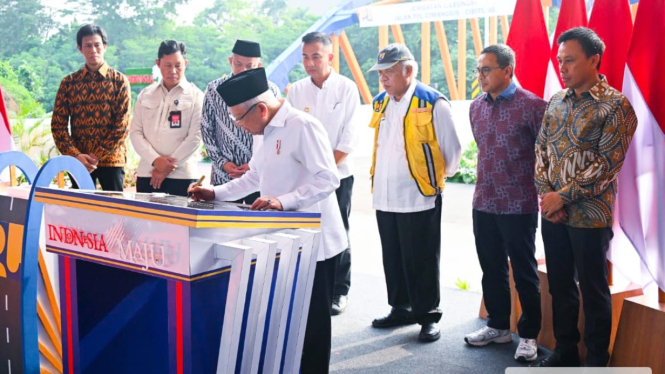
(197, 184)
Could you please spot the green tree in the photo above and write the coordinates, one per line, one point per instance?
(18, 95)
(274, 9)
(125, 19)
(207, 53)
(23, 24)
(221, 13)
(52, 61)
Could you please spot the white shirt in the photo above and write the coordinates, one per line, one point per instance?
(296, 165)
(151, 133)
(394, 188)
(334, 104)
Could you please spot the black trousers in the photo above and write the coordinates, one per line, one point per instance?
(499, 236)
(249, 199)
(411, 244)
(318, 334)
(170, 186)
(343, 275)
(582, 251)
(111, 178)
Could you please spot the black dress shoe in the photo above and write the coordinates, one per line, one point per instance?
(429, 332)
(339, 304)
(396, 317)
(556, 359)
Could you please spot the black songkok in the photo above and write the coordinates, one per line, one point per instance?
(247, 48)
(244, 86)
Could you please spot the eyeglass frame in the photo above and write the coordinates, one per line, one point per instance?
(238, 120)
(487, 70)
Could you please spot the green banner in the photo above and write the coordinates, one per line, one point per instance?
(140, 77)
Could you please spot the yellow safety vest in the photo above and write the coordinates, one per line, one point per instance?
(423, 154)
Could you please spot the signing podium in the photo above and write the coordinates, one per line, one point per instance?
(161, 284)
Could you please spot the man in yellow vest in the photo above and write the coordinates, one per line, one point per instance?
(415, 148)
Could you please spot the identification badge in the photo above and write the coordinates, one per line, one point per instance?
(175, 118)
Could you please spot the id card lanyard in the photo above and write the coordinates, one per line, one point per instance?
(175, 117)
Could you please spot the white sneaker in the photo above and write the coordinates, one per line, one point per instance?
(527, 350)
(488, 335)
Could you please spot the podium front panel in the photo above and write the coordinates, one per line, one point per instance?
(160, 284)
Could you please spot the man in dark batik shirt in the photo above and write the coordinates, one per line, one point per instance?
(579, 152)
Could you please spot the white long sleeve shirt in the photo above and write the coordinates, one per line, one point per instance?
(334, 104)
(295, 165)
(151, 133)
(394, 188)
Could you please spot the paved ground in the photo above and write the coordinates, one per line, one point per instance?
(359, 348)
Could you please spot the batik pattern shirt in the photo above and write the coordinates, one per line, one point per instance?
(580, 150)
(505, 130)
(95, 105)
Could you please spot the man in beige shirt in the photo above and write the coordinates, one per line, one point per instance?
(166, 128)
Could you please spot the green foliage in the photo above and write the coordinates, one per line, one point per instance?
(462, 284)
(33, 137)
(203, 154)
(7, 72)
(553, 18)
(467, 170)
(23, 24)
(136, 27)
(17, 85)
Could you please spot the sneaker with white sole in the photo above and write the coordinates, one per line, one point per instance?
(527, 350)
(488, 335)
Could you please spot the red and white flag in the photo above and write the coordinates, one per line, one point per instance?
(572, 14)
(612, 21)
(641, 193)
(6, 141)
(528, 38)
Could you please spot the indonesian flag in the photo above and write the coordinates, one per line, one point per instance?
(612, 21)
(6, 141)
(572, 14)
(528, 38)
(641, 193)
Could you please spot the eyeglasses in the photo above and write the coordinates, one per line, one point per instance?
(485, 70)
(237, 120)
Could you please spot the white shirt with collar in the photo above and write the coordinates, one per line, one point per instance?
(394, 188)
(152, 135)
(334, 104)
(296, 165)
